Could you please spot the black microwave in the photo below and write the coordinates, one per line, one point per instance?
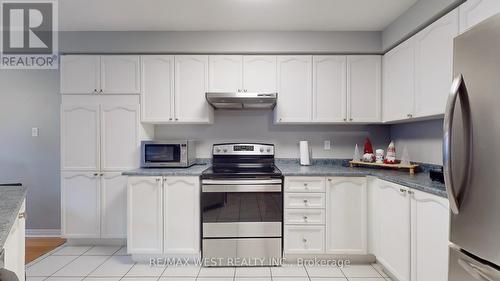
(167, 153)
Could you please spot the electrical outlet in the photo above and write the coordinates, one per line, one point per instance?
(34, 132)
(327, 145)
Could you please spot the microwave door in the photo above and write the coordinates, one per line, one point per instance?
(155, 154)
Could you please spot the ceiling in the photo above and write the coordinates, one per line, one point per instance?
(230, 15)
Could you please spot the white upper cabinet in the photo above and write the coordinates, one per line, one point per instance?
(80, 194)
(120, 74)
(90, 74)
(157, 94)
(364, 88)
(119, 137)
(145, 215)
(191, 84)
(430, 232)
(259, 74)
(473, 12)
(113, 205)
(399, 82)
(181, 215)
(80, 137)
(434, 65)
(80, 74)
(294, 103)
(346, 216)
(226, 73)
(329, 89)
(393, 239)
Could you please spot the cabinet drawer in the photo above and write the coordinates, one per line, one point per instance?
(304, 200)
(304, 239)
(305, 216)
(305, 184)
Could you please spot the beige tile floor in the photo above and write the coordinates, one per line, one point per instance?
(106, 263)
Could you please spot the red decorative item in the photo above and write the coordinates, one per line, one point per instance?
(368, 146)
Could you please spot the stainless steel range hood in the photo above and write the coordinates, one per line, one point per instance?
(242, 100)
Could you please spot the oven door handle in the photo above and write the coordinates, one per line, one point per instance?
(243, 181)
(241, 188)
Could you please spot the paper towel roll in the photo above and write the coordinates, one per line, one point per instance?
(305, 158)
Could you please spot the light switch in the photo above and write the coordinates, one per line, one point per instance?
(34, 132)
(327, 145)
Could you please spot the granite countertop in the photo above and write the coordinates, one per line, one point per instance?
(11, 200)
(324, 168)
(419, 181)
(194, 170)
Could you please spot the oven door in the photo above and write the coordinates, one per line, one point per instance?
(241, 208)
(157, 154)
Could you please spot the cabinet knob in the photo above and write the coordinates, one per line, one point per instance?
(176, 119)
(100, 91)
(170, 119)
(305, 201)
(96, 174)
(95, 91)
(239, 90)
(345, 119)
(402, 190)
(409, 115)
(304, 240)
(102, 174)
(329, 179)
(305, 218)
(350, 119)
(410, 192)
(245, 90)
(157, 179)
(281, 119)
(22, 215)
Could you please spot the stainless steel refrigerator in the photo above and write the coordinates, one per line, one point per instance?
(471, 155)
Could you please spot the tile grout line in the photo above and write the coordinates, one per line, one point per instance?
(77, 256)
(92, 271)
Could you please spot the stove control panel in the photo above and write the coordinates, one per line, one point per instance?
(243, 149)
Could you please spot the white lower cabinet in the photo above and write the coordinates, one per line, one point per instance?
(113, 205)
(93, 204)
(346, 215)
(393, 237)
(430, 232)
(163, 215)
(80, 196)
(13, 248)
(302, 239)
(181, 209)
(409, 232)
(144, 215)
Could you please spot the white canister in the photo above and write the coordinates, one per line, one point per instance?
(379, 156)
(305, 157)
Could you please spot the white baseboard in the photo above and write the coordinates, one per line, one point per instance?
(43, 233)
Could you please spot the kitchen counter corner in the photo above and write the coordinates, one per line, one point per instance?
(11, 200)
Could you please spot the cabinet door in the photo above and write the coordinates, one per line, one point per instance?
(157, 94)
(80, 196)
(120, 74)
(113, 205)
(434, 65)
(430, 232)
(144, 215)
(329, 89)
(80, 74)
(346, 215)
(259, 74)
(394, 229)
(294, 89)
(119, 137)
(13, 248)
(364, 88)
(80, 137)
(181, 215)
(399, 75)
(191, 84)
(473, 12)
(226, 73)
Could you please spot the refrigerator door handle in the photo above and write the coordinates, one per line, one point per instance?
(457, 89)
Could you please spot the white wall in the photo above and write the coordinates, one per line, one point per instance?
(31, 98)
(421, 14)
(257, 126)
(424, 140)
